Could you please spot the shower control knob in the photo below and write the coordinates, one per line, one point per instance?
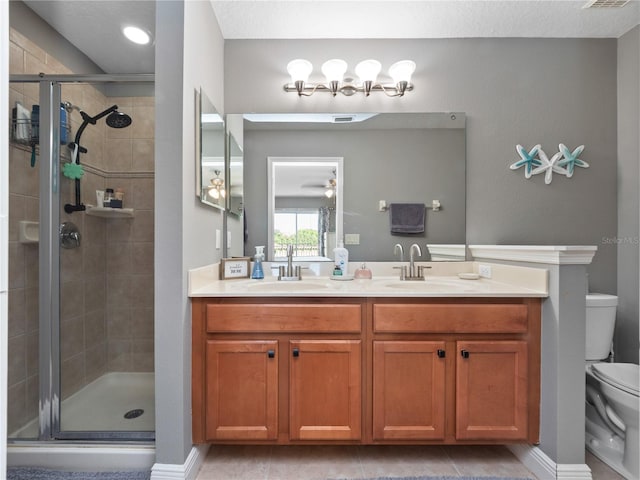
(69, 235)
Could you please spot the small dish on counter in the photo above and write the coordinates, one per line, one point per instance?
(468, 276)
(341, 277)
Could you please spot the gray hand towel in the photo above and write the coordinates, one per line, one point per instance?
(406, 218)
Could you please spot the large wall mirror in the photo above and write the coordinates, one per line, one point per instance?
(210, 185)
(304, 196)
(395, 157)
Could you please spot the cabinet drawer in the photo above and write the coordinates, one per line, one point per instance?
(486, 318)
(322, 318)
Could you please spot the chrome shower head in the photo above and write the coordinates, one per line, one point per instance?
(118, 120)
(69, 107)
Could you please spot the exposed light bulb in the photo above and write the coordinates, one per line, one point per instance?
(334, 69)
(368, 70)
(401, 71)
(299, 70)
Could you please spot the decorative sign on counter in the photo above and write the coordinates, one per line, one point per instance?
(237, 267)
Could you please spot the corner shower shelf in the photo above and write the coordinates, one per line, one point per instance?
(108, 212)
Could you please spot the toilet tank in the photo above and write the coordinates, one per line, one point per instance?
(600, 320)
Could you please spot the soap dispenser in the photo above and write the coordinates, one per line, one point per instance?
(363, 272)
(341, 260)
(257, 272)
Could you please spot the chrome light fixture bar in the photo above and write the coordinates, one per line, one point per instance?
(334, 71)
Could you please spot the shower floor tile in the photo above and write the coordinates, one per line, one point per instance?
(102, 405)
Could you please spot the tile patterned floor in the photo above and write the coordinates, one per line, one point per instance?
(230, 462)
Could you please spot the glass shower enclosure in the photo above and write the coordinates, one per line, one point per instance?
(80, 271)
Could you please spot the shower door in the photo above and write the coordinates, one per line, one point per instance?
(88, 360)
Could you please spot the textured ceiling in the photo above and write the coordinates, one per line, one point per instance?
(421, 19)
(94, 26)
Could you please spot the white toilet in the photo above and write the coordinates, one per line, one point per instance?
(612, 393)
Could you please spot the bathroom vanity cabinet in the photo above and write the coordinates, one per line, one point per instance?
(456, 371)
(277, 372)
(366, 370)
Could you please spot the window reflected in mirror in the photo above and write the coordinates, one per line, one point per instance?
(305, 205)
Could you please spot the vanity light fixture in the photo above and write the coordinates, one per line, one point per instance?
(334, 71)
(216, 189)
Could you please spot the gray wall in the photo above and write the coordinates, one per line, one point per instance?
(626, 333)
(514, 91)
(412, 166)
(189, 38)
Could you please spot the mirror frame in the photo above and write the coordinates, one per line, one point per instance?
(272, 163)
(230, 184)
(204, 106)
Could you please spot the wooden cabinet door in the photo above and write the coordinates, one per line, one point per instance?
(491, 390)
(325, 390)
(241, 390)
(408, 390)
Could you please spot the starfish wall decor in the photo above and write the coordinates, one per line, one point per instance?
(535, 161)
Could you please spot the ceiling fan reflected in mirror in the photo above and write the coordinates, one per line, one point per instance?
(329, 187)
(216, 189)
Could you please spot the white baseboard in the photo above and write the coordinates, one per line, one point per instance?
(578, 471)
(187, 471)
(544, 468)
(84, 457)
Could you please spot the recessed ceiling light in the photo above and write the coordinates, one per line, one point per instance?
(137, 35)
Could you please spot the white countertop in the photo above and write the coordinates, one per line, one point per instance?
(441, 281)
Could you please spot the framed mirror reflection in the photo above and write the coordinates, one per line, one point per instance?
(391, 157)
(211, 187)
(305, 204)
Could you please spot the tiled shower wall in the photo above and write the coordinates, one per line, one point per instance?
(106, 307)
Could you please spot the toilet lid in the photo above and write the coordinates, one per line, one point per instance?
(625, 376)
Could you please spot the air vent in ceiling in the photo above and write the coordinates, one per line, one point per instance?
(606, 3)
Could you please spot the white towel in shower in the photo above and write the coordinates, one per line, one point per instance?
(23, 123)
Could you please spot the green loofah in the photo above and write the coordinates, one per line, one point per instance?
(73, 171)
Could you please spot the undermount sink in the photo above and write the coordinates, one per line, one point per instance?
(419, 286)
(431, 285)
(286, 286)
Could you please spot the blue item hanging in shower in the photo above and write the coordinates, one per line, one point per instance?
(35, 129)
(64, 127)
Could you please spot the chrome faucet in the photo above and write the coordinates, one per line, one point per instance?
(403, 268)
(412, 268)
(397, 248)
(290, 272)
(413, 275)
(289, 261)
